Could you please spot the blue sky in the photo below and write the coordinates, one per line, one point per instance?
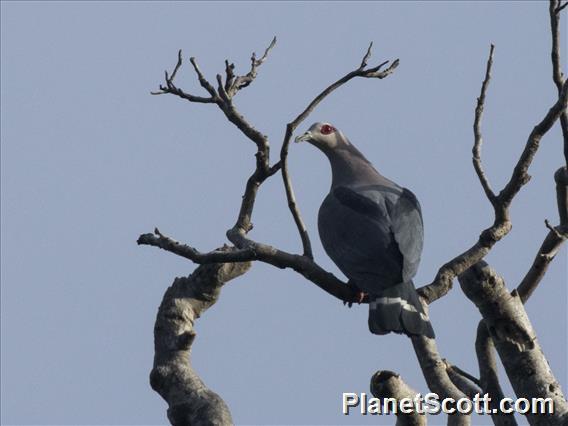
(90, 160)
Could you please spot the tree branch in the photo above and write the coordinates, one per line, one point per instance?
(257, 251)
(555, 7)
(489, 377)
(552, 242)
(172, 376)
(291, 127)
(477, 131)
(435, 372)
(515, 340)
(462, 382)
(466, 382)
(387, 384)
(520, 174)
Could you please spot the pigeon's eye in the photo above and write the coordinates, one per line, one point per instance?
(326, 129)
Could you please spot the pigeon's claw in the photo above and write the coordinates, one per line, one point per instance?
(359, 295)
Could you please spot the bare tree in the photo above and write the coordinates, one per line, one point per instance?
(504, 330)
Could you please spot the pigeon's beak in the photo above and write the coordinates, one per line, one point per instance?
(305, 137)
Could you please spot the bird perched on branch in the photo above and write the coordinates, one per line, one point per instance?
(372, 229)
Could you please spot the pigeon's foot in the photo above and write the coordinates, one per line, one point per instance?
(359, 295)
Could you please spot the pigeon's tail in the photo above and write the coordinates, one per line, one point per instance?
(398, 309)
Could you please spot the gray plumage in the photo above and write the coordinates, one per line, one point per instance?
(372, 229)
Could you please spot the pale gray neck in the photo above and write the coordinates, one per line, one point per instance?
(349, 167)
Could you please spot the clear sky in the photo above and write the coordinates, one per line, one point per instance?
(90, 160)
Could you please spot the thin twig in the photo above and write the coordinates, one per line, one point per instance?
(240, 82)
(558, 234)
(469, 388)
(463, 373)
(477, 131)
(555, 7)
(560, 8)
(546, 253)
(366, 57)
(202, 80)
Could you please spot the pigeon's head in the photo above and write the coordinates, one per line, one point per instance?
(324, 136)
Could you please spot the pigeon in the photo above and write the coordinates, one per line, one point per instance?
(372, 229)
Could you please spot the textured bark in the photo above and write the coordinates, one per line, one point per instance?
(489, 376)
(515, 341)
(435, 372)
(553, 241)
(468, 385)
(190, 401)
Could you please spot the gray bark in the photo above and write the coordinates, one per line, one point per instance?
(387, 384)
(489, 376)
(435, 372)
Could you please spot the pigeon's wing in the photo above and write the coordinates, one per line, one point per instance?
(408, 230)
(356, 234)
(403, 216)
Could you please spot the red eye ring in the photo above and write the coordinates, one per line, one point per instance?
(326, 129)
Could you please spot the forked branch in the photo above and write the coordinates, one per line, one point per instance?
(171, 88)
(234, 84)
(223, 98)
(501, 225)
